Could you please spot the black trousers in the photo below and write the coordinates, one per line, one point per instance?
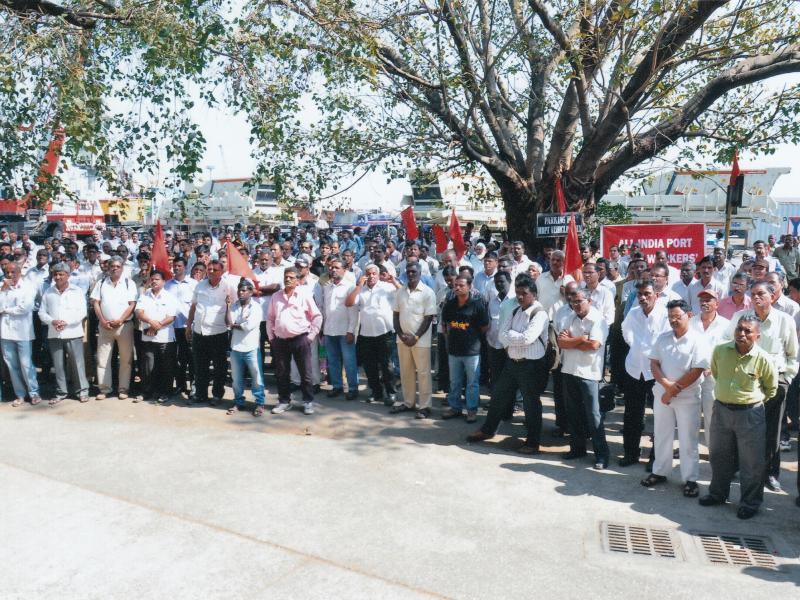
(559, 402)
(208, 351)
(184, 364)
(443, 374)
(497, 360)
(526, 376)
(774, 417)
(283, 351)
(618, 351)
(638, 392)
(375, 352)
(158, 362)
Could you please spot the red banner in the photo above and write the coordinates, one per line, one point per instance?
(681, 241)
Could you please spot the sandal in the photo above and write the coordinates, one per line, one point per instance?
(258, 411)
(56, 400)
(690, 489)
(233, 409)
(17, 402)
(652, 480)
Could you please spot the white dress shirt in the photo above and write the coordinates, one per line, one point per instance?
(272, 276)
(714, 334)
(603, 300)
(413, 306)
(676, 357)
(697, 287)
(36, 276)
(375, 308)
(523, 334)
(723, 276)
(158, 308)
(114, 299)
(586, 364)
(209, 313)
(550, 290)
(682, 290)
(68, 306)
(338, 319)
(248, 337)
(16, 312)
(640, 332)
(498, 310)
(183, 291)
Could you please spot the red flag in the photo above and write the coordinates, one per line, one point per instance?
(409, 223)
(440, 238)
(561, 202)
(237, 265)
(160, 259)
(572, 250)
(455, 236)
(735, 170)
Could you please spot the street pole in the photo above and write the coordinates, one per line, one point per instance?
(728, 215)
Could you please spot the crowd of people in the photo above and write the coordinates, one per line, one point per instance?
(712, 347)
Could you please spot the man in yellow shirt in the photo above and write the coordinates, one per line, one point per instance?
(745, 378)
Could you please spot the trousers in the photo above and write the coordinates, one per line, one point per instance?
(685, 413)
(106, 338)
(184, 365)
(210, 351)
(67, 358)
(526, 376)
(637, 394)
(283, 351)
(18, 355)
(375, 351)
(415, 374)
(158, 368)
(584, 418)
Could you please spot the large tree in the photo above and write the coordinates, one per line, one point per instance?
(525, 90)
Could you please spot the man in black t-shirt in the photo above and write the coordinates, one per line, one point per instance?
(464, 319)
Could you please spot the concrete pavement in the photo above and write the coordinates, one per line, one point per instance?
(120, 500)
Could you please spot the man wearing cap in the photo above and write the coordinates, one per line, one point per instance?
(712, 327)
(62, 311)
(114, 299)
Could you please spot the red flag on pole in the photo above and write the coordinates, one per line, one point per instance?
(455, 236)
(561, 201)
(409, 223)
(440, 238)
(160, 259)
(237, 265)
(572, 250)
(735, 170)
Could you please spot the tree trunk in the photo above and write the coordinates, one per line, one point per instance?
(521, 207)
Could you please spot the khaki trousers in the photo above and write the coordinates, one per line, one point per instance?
(123, 336)
(415, 372)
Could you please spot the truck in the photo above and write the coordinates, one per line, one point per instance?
(80, 215)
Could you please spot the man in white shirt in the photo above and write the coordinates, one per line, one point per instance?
(520, 261)
(524, 336)
(36, 276)
(681, 287)
(582, 337)
(17, 299)
(712, 327)
(374, 300)
(599, 296)
(640, 329)
(244, 318)
(677, 361)
(113, 300)
(484, 280)
(156, 311)
(182, 287)
(208, 332)
(723, 270)
(500, 304)
(550, 283)
(673, 274)
(413, 312)
(706, 281)
(340, 324)
(62, 311)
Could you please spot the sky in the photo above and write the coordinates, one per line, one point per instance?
(228, 155)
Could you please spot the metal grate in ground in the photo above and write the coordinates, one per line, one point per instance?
(639, 540)
(737, 550)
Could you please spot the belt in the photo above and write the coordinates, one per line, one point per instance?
(739, 406)
(289, 339)
(520, 360)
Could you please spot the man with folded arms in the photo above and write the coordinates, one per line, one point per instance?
(62, 310)
(582, 337)
(746, 378)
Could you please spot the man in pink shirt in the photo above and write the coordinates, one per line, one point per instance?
(738, 298)
(293, 321)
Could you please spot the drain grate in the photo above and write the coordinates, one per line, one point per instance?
(737, 550)
(639, 540)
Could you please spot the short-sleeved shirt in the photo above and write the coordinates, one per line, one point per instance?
(586, 364)
(158, 308)
(677, 356)
(209, 314)
(114, 299)
(464, 325)
(413, 306)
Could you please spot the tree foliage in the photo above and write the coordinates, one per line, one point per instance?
(605, 213)
(522, 90)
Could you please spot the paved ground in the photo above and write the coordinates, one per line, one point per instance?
(121, 500)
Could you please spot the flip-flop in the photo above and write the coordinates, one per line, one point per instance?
(17, 402)
(54, 401)
(258, 411)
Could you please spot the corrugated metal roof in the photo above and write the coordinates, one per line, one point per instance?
(787, 207)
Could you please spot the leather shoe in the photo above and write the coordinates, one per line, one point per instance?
(627, 461)
(745, 512)
(478, 436)
(709, 500)
(573, 454)
(334, 392)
